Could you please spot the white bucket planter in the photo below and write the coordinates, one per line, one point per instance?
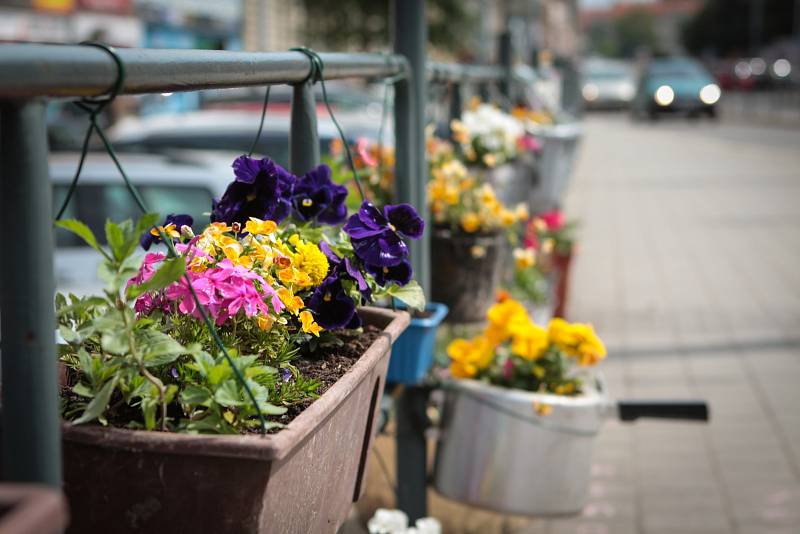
(496, 452)
(556, 160)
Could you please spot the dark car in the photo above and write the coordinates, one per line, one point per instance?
(676, 85)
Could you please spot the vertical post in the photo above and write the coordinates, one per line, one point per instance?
(303, 134)
(31, 438)
(456, 103)
(410, 40)
(506, 61)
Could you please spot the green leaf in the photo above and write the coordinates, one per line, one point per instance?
(83, 390)
(98, 404)
(196, 396)
(115, 342)
(410, 294)
(116, 240)
(227, 394)
(158, 348)
(82, 231)
(170, 271)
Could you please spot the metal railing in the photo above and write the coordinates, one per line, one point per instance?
(29, 74)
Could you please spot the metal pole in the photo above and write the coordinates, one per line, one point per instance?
(303, 135)
(411, 37)
(456, 103)
(31, 438)
(410, 40)
(506, 60)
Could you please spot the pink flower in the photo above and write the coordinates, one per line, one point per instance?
(147, 269)
(362, 148)
(508, 369)
(529, 143)
(554, 219)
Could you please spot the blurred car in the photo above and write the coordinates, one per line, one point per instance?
(607, 84)
(181, 182)
(234, 130)
(676, 85)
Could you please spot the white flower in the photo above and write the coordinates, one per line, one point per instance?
(428, 525)
(387, 521)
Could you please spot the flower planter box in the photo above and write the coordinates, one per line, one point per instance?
(302, 479)
(31, 509)
(412, 353)
(466, 272)
(496, 452)
(559, 148)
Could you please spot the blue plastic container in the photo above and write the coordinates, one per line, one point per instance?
(412, 353)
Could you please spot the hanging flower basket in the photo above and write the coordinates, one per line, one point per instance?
(412, 354)
(497, 452)
(303, 478)
(555, 163)
(466, 270)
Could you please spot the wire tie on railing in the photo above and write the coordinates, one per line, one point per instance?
(93, 106)
(316, 74)
(261, 122)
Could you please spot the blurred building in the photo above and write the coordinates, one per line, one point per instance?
(272, 24)
(665, 17)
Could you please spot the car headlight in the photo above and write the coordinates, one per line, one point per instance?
(590, 92)
(664, 95)
(710, 93)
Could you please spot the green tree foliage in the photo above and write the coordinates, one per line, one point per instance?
(633, 31)
(725, 27)
(364, 24)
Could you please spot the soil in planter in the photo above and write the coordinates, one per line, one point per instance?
(330, 363)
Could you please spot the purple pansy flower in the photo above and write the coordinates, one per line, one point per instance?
(346, 267)
(148, 238)
(377, 236)
(261, 189)
(333, 308)
(317, 197)
(400, 273)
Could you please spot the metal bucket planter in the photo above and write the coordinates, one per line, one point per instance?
(302, 479)
(466, 270)
(31, 509)
(412, 353)
(512, 182)
(496, 452)
(559, 148)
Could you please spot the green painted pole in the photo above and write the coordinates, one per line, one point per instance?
(31, 439)
(506, 61)
(303, 136)
(410, 40)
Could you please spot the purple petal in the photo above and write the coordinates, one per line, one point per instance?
(246, 169)
(356, 229)
(405, 219)
(385, 250)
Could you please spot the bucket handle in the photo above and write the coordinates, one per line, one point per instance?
(692, 410)
(372, 416)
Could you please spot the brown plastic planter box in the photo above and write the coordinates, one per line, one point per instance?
(31, 509)
(302, 479)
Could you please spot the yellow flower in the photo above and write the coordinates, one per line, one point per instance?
(168, 230)
(460, 132)
(490, 160)
(474, 103)
(487, 195)
(539, 225)
(469, 356)
(548, 245)
(264, 322)
(310, 261)
(259, 227)
(470, 222)
(292, 302)
(542, 408)
(502, 317)
(577, 340)
(529, 340)
(309, 325)
(524, 258)
(521, 211)
(507, 218)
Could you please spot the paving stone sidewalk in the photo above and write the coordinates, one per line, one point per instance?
(689, 267)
